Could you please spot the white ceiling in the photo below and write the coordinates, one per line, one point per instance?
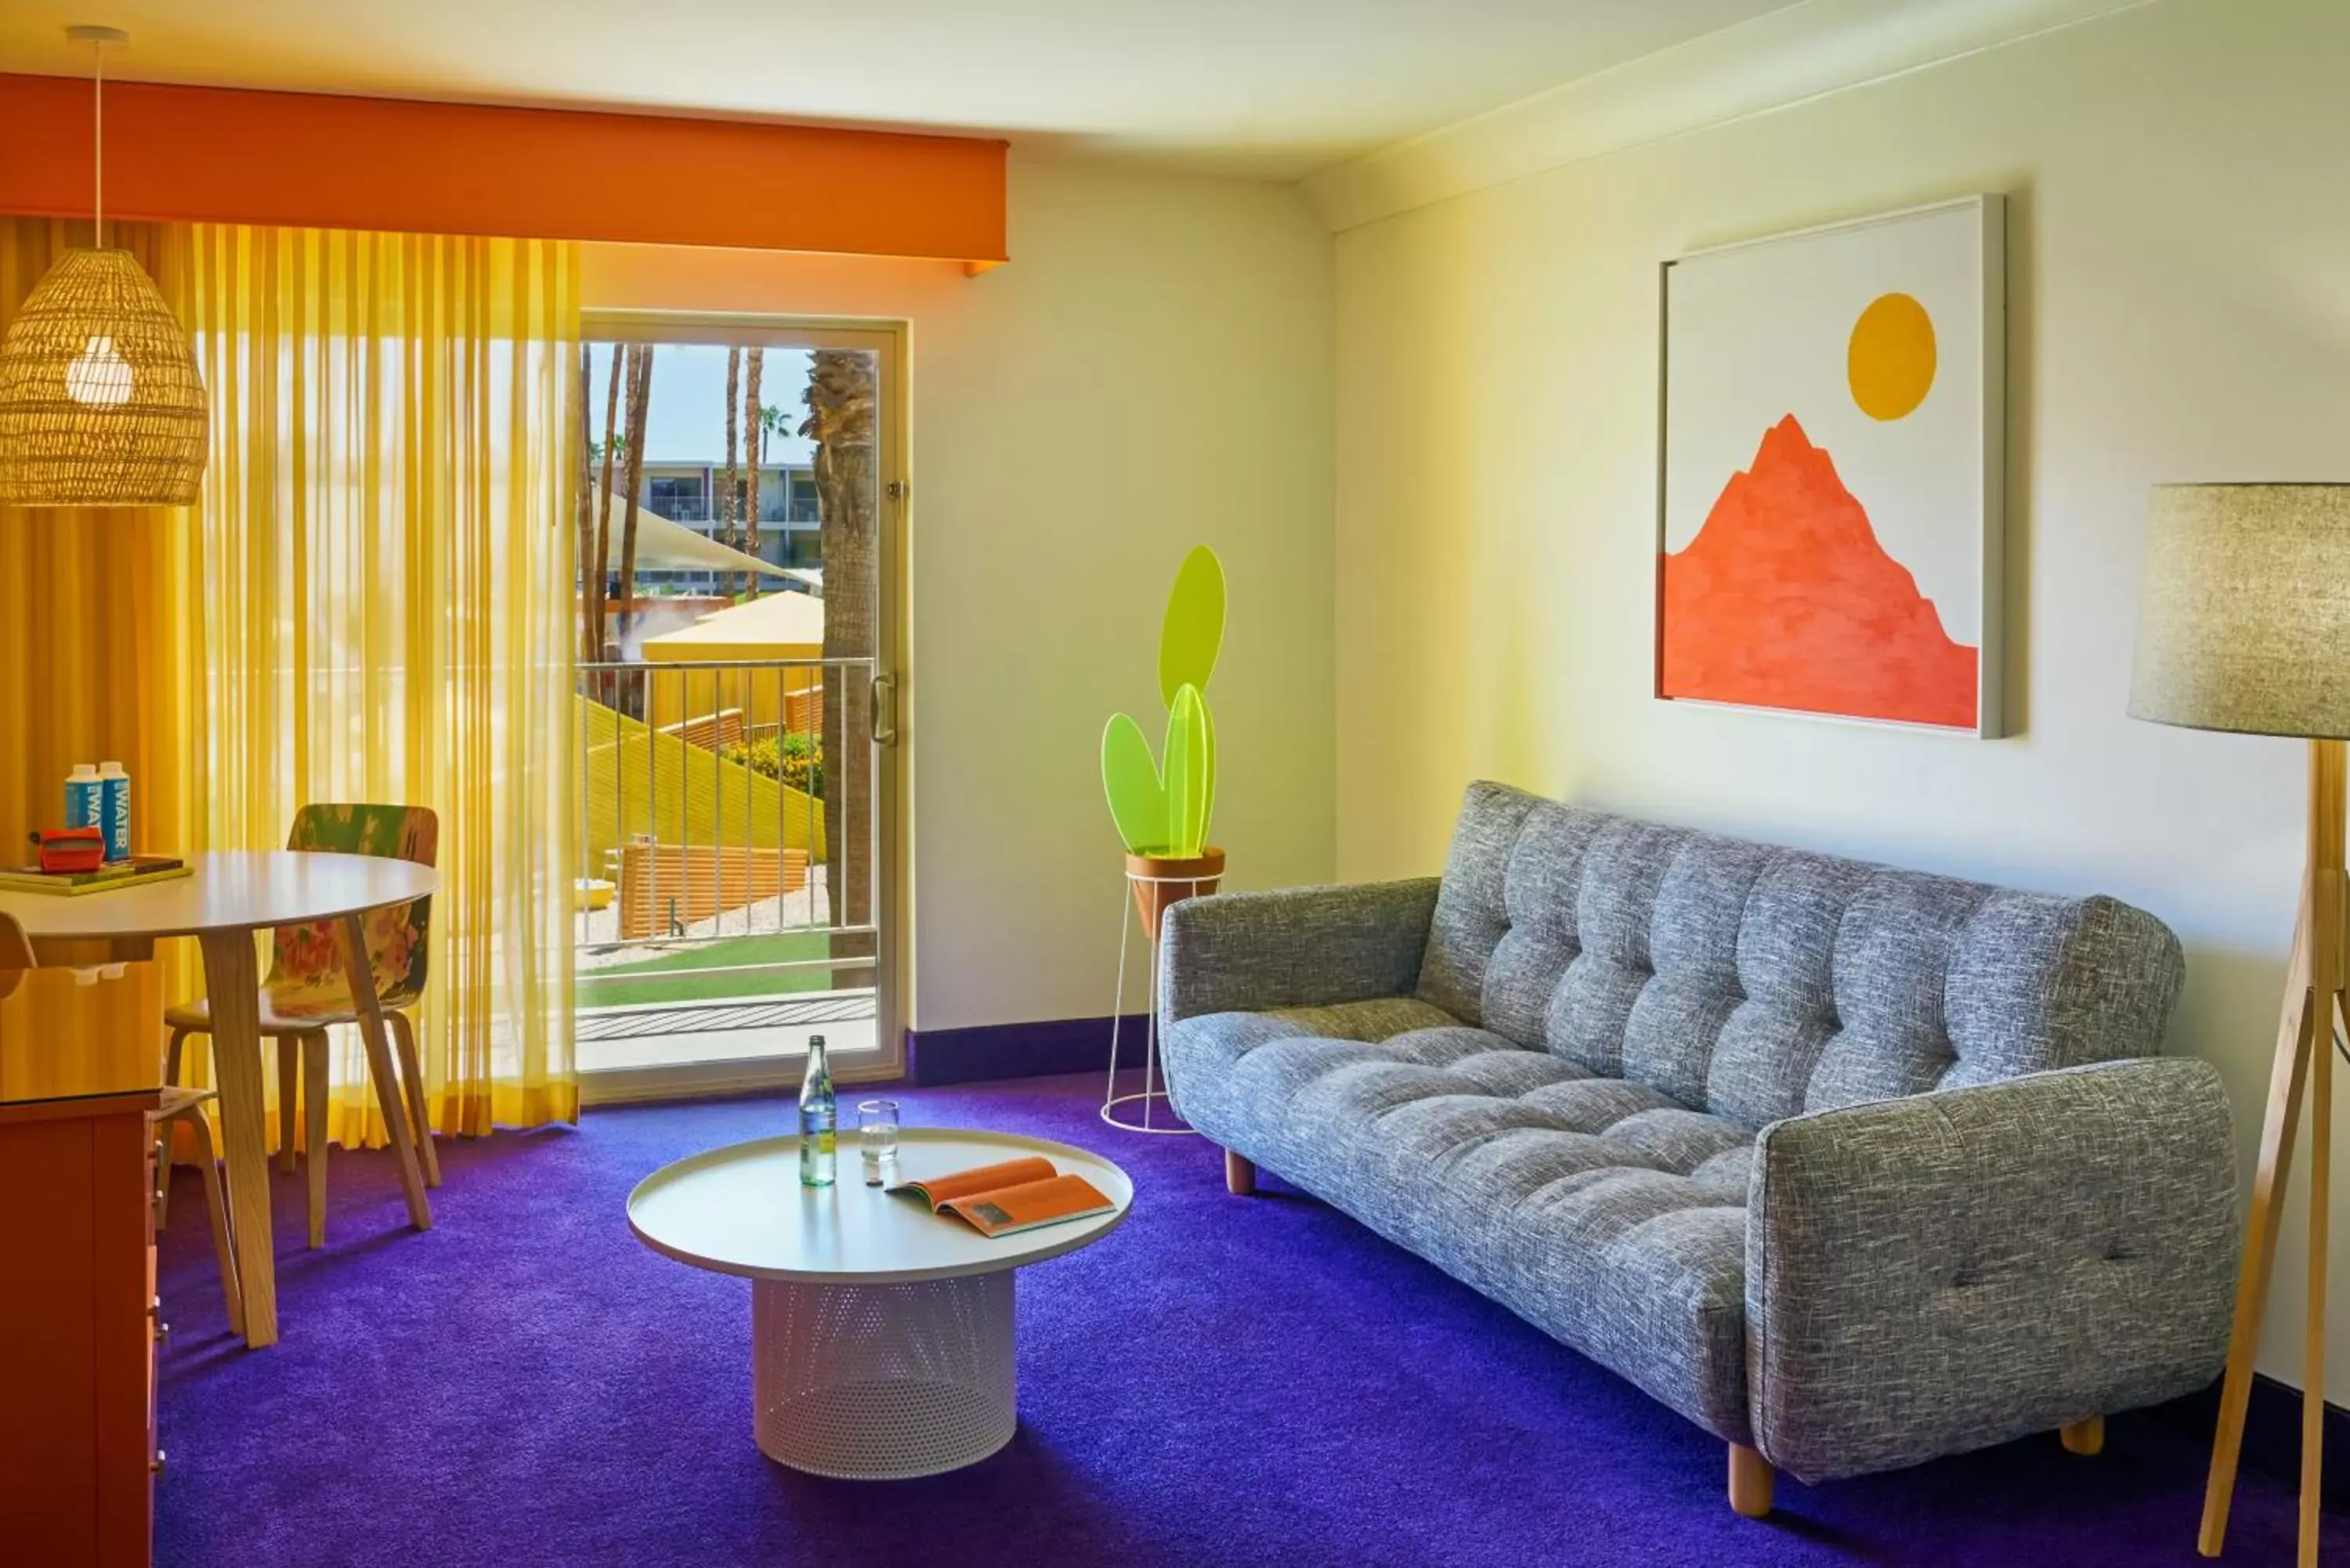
(1274, 88)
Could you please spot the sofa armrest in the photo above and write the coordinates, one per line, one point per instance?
(1933, 1274)
(1254, 951)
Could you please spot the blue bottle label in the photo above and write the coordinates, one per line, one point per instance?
(85, 802)
(114, 816)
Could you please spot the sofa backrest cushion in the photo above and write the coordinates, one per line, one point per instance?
(1758, 982)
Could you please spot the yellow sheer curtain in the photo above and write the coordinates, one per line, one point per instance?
(92, 633)
(384, 561)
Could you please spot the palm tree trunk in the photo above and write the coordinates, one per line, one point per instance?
(723, 510)
(641, 385)
(603, 563)
(585, 521)
(840, 401)
(753, 451)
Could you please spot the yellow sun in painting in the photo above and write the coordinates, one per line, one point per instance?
(1890, 361)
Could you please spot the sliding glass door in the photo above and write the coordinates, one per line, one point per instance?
(741, 538)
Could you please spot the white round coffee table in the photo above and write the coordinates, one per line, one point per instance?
(881, 1338)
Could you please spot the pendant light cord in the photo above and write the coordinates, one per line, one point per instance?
(97, 146)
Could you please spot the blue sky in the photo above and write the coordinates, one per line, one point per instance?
(687, 409)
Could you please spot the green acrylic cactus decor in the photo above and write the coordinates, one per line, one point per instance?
(1190, 770)
(1164, 806)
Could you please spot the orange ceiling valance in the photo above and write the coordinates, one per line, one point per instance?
(315, 161)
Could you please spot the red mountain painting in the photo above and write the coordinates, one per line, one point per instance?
(1786, 599)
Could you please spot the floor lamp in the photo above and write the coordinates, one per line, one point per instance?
(2244, 625)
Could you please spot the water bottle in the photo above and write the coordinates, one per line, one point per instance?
(114, 809)
(819, 1119)
(85, 797)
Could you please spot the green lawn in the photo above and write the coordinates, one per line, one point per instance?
(650, 981)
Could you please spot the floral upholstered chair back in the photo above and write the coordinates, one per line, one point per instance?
(307, 974)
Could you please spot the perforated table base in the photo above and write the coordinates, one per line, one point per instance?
(882, 1382)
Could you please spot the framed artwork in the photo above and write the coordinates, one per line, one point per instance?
(1829, 504)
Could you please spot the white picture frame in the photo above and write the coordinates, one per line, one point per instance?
(1882, 342)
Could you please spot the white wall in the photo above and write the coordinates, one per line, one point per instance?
(2179, 287)
(1151, 371)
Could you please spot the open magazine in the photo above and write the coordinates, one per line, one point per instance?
(1009, 1196)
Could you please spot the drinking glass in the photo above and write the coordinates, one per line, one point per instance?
(876, 1137)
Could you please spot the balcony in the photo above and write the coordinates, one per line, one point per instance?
(700, 511)
(705, 930)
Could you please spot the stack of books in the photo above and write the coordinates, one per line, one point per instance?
(134, 872)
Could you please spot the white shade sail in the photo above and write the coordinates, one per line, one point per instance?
(666, 546)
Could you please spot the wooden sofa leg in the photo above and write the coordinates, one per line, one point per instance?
(2083, 1436)
(1240, 1175)
(1750, 1483)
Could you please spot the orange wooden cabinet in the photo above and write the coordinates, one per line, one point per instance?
(77, 1452)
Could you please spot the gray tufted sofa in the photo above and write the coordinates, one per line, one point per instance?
(1853, 1167)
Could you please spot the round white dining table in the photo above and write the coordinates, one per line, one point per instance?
(227, 896)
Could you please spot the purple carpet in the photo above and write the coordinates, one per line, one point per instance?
(1222, 1381)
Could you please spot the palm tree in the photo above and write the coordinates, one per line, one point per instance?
(593, 632)
(752, 451)
(641, 387)
(585, 521)
(840, 404)
(722, 512)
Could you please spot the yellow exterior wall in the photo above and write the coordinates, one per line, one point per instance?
(639, 782)
(684, 693)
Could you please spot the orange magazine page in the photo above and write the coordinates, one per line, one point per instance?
(938, 1191)
(1010, 1210)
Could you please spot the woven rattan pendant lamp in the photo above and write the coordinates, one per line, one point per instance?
(101, 404)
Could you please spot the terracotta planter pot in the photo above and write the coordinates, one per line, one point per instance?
(1161, 880)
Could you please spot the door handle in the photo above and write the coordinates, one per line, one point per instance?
(883, 734)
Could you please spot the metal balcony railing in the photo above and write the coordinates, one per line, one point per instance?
(702, 790)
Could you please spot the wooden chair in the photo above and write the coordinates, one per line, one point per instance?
(187, 1106)
(305, 993)
(15, 956)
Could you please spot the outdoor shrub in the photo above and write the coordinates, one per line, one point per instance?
(798, 760)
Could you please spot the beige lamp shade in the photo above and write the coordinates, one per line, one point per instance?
(101, 404)
(2244, 618)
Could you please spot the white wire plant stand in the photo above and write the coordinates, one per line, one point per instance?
(1153, 884)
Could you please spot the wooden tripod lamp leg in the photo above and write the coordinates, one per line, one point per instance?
(2304, 1058)
(2281, 1121)
(2326, 1003)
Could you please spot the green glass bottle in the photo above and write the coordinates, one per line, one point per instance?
(819, 1119)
